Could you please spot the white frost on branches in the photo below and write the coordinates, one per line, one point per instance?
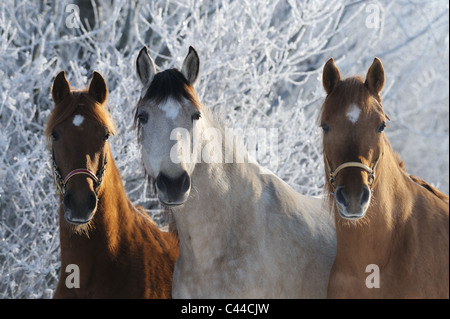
(261, 67)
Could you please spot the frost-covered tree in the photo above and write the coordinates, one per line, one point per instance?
(261, 67)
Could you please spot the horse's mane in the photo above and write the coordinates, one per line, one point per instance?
(171, 83)
(420, 181)
(430, 188)
(82, 103)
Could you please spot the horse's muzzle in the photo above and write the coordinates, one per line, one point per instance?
(79, 208)
(352, 207)
(173, 191)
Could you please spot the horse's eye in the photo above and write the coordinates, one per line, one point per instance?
(142, 117)
(55, 136)
(325, 127)
(196, 116)
(381, 127)
(106, 136)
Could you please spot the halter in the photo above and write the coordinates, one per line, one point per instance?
(61, 183)
(332, 174)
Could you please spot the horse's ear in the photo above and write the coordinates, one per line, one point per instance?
(331, 76)
(145, 68)
(375, 77)
(191, 66)
(60, 87)
(98, 89)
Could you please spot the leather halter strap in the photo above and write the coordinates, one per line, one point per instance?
(79, 171)
(61, 183)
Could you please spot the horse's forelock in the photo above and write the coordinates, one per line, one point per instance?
(170, 84)
(82, 103)
(348, 91)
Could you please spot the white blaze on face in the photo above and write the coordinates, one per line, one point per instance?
(78, 120)
(171, 108)
(353, 113)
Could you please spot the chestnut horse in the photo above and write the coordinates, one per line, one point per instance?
(392, 228)
(109, 249)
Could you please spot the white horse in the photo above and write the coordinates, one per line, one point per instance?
(243, 234)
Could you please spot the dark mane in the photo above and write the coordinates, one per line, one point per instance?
(81, 103)
(420, 181)
(170, 83)
(428, 187)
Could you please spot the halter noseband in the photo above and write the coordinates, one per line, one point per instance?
(332, 174)
(61, 183)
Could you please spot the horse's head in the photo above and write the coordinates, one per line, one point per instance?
(78, 129)
(353, 121)
(166, 115)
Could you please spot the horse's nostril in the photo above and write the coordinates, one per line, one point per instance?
(92, 201)
(365, 196)
(341, 196)
(166, 183)
(186, 182)
(161, 180)
(68, 199)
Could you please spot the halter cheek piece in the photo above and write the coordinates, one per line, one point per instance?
(61, 183)
(332, 174)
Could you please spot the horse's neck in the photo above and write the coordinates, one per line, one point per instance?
(230, 200)
(105, 232)
(204, 192)
(219, 194)
(374, 237)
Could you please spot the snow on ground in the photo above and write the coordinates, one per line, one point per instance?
(261, 67)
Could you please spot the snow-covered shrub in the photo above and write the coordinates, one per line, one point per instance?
(261, 66)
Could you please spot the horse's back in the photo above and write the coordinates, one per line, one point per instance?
(309, 215)
(302, 234)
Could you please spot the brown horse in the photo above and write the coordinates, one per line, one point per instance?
(109, 249)
(392, 228)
